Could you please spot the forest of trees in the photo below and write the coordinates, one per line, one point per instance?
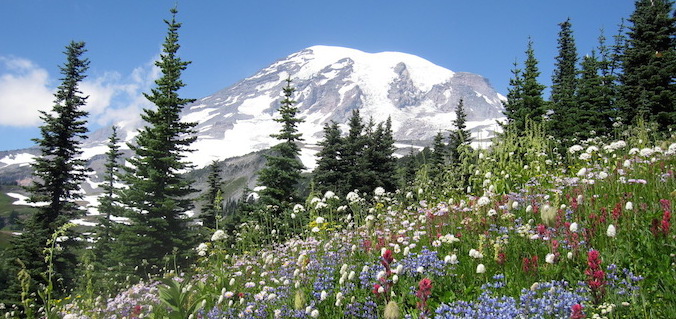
(597, 95)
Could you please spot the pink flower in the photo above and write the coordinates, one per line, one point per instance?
(576, 312)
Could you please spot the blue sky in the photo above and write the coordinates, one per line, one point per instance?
(230, 40)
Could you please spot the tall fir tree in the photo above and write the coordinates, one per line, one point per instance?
(649, 64)
(282, 171)
(589, 101)
(157, 194)
(565, 110)
(514, 103)
(460, 135)
(438, 156)
(213, 198)
(329, 172)
(109, 202)
(354, 161)
(58, 172)
(534, 106)
(381, 161)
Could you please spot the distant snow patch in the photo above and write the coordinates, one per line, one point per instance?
(21, 159)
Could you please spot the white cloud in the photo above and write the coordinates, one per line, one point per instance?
(23, 92)
(25, 88)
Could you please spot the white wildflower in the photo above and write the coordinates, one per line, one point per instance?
(480, 269)
(483, 201)
(379, 191)
(219, 235)
(575, 148)
(611, 231)
(550, 258)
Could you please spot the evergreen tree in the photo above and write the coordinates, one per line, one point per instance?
(566, 111)
(354, 159)
(58, 173)
(534, 106)
(382, 164)
(108, 202)
(213, 198)
(438, 156)
(649, 64)
(408, 167)
(282, 171)
(329, 171)
(460, 135)
(514, 104)
(156, 193)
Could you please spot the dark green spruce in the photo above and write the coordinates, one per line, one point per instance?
(564, 124)
(213, 198)
(57, 176)
(649, 64)
(108, 202)
(282, 171)
(328, 174)
(156, 193)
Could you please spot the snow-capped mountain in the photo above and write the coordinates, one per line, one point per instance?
(330, 82)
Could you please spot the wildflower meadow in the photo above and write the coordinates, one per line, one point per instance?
(583, 235)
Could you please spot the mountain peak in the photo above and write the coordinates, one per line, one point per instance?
(378, 67)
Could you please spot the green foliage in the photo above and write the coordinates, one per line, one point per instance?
(108, 203)
(58, 173)
(649, 64)
(213, 198)
(179, 297)
(157, 194)
(283, 168)
(524, 100)
(329, 171)
(566, 110)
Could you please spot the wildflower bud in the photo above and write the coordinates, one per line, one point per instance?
(392, 310)
(406, 251)
(399, 269)
(515, 205)
(395, 278)
(550, 258)
(570, 255)
(351, 276)
(529, 209)
(611, 231)
(573, 227)
(323, 295)
(480, 269)
(298, 300)
(314, 313)
(629, 206)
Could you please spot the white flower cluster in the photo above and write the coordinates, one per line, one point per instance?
(219, 235)
(379, 191)
(202, 249)
(449, 239)
(574, 149)
(483, 201)
(352, 197)
(475, 254)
